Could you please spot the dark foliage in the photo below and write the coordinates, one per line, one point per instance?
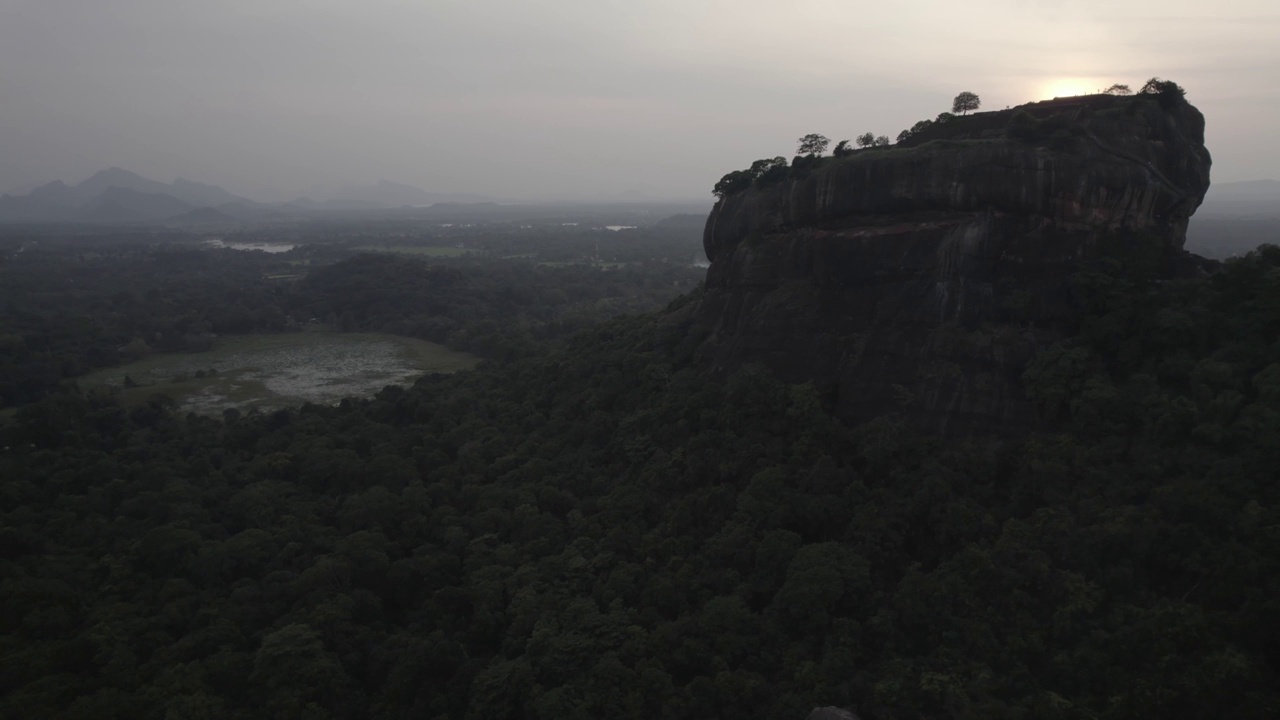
(761, 173)
(965, 102)
(607, 532)
(1169, 93)
(67, 311)
(496, 309)
(812, 144)
(1054, 131)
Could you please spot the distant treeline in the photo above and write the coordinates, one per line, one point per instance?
(66, 309)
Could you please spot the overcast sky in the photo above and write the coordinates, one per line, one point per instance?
(576, 98)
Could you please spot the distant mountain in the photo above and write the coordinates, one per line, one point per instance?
(112, 195)
(23, 189)
(118, 204)
(46, 203)
(202, 194)
(249, 211)
(193, 193)
(114, 177)
(392, 194)
(56, 193)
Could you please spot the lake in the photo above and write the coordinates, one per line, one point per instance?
(264, 247)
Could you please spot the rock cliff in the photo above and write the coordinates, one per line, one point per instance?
(922, 277)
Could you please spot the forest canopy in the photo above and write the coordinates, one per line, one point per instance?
(605, 530)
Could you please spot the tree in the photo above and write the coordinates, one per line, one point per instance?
(769, 169)
(294, 671)
(765, 171)
(842, 149)
(823, 581)
(812, 145)
(733, 182)
(1118, 89)
(1167, 92)
(865, 140)
(922, 125)
(1156, 86)
(881, 141)
(965, 102)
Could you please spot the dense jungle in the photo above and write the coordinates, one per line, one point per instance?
(588, 525)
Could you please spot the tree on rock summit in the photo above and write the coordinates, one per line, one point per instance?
(812, 144)
(965, 102)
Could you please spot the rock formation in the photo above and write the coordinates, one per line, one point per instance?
(922, 277)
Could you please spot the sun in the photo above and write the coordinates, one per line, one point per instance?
(1067, 87)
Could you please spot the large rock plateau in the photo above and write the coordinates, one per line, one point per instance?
(922, 277)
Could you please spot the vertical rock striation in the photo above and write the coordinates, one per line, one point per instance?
(922, 277)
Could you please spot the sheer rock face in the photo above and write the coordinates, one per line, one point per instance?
(921, 278)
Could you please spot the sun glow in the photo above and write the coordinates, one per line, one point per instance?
(1068, 87)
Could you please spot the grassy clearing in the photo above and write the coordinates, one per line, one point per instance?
(272, 371)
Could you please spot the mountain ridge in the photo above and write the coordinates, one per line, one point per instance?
(110, 196)
(88, 201)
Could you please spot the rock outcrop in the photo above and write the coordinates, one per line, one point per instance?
(922, 277)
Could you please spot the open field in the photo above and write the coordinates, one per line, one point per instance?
(273, 371)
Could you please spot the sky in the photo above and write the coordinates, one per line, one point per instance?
(576, 99)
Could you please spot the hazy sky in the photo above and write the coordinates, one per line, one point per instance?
(524, 99)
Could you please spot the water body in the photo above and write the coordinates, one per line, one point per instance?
(273, 371)
(272, 248)
(616, 228)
